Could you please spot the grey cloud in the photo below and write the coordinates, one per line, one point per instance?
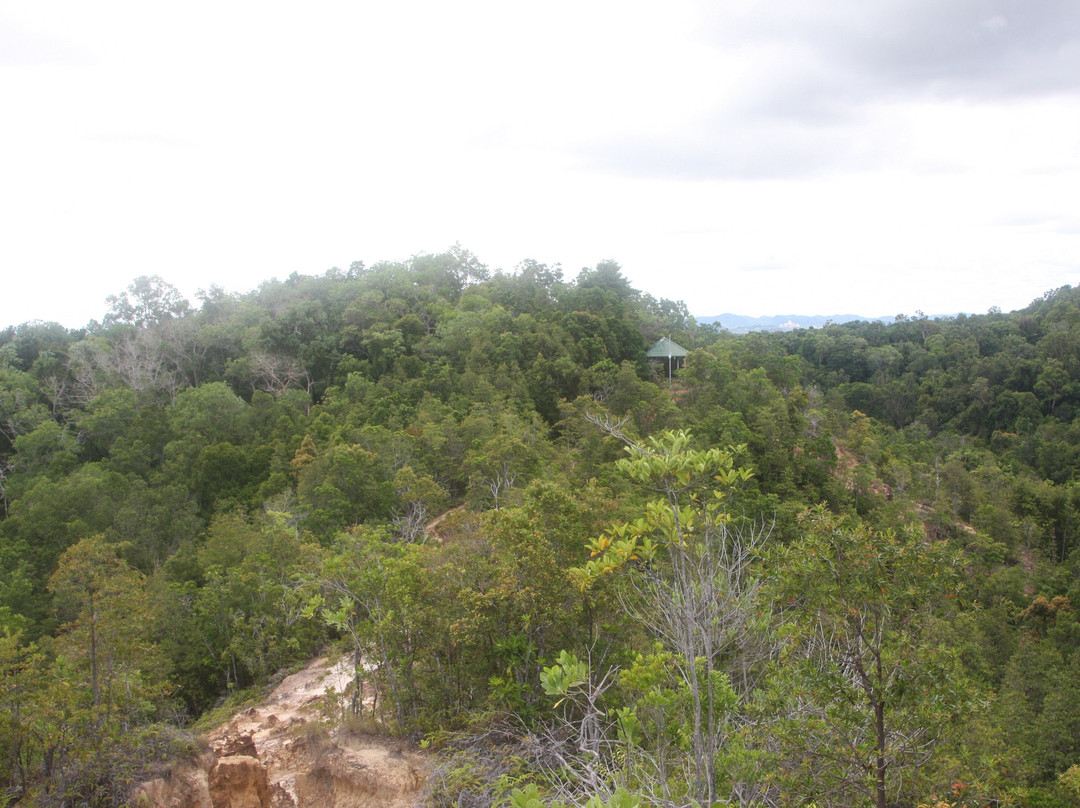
(816, 72)
(966, 48)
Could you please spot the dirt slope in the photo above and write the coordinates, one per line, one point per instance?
(280, 755)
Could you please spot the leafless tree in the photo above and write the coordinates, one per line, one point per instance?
(411, 520)
(186, 347)
(141, 362)
(5, 470)
(274, 373)
(611, 424)
(501, 481)
(702, 604)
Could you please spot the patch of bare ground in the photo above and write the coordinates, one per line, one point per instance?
(432, 527)
(283, 754)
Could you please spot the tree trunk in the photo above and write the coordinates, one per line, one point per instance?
(880, 763)
(93, 654)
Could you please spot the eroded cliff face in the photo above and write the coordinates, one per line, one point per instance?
(279, 755)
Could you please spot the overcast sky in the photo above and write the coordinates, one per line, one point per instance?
(751, 156)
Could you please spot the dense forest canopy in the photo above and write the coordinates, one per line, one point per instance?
(831, 566)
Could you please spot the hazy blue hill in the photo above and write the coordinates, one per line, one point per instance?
(741, 323)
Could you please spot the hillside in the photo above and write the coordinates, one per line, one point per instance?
(834, 565)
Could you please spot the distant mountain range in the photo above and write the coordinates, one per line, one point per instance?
(742, 324)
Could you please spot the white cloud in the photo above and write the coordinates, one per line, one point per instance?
(876, 156)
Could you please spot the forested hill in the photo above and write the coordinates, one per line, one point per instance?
(833, 565)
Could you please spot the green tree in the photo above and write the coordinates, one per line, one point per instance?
(865, 686)
(149, 300)
(106, 633)
(1036, 711)
(21, 666)
(419, 499)
(343, 486)
(691, 585)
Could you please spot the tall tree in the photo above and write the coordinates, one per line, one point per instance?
(104, 602)
(692, 587)
(865, 685)
(149, 300)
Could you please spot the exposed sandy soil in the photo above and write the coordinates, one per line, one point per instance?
(316, 767)
(283, 754)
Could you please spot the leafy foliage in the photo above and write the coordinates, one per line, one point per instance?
(864, 687)
(424, 461)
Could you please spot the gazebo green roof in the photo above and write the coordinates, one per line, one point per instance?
(665, 348)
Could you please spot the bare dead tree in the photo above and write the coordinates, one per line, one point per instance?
(501, 481)
(86, 363)
(410, 521)
(55, 388)
(186, 347)
(274, 373)
(611, 424)
(140, 361)
(5, 469)
(576, 752)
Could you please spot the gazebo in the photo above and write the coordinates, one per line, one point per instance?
(670, 351)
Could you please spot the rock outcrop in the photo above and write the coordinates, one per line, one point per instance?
(186, 785)
(239, 781)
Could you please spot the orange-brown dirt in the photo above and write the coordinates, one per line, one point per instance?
(283, 754)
